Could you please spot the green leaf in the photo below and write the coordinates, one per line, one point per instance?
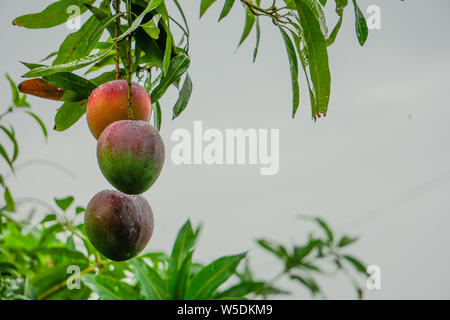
(66, 67)
(5, 156)
(69, 114)
(106, 77)
(58, 254)
(186, 26)
(64, 203)
(308, 282)
(183, 97)
(49, 218)
(317, 57)
(241, 290)
(258, 39)
(177, 68)
(51, 55)
(167, 54)
(102, 13)
(48, 234)
(359, 266)
(293, 63)
(49, 278)
(296, 260)
(39, 121)
(23, 102)
(12, 136)
(211, 277)
(325, 228)
(153, 4)
(322, 224)
(7, 268)
(14, 90)
(226, 8)
(346, 241)
(154, 55)
(340, 6)
(362, 31)
(330, 40)
(72, 45)
(88, 43)
(109, 60)
(320, 17)
(10, 204)
(79, 210)
(55, 14)
(182, 280)
(32, 66)
(150, 282)
(204, 5)
(65, 294)
(276, 249)
(73, 82)
(157, 117)
(151, 27)
(183, 245)
(249, 23)
(109, 288)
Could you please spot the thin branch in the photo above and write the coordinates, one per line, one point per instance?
(8, 111)
(63, 284)
(129, 58)
(116, 58)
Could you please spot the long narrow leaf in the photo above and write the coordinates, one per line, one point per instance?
(67, 67)
(204, 5)
(209, 278)
(226, 8)
(153, 4)
(183, 245)
(55, 14)
(109, 288)
(151, 284)
(293, 63)
(248, 26)
(362, 30)
(183, 98)
(317, 57)
(177, 68)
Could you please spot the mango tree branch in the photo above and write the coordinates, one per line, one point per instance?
(63, 284)
(129, 62)
(271, 12)
(116, 58)
(9, 110)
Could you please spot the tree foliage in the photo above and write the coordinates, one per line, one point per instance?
(38, 253)
(136, 40)
(158, 60)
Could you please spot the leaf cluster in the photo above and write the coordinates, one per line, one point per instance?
(303, 28)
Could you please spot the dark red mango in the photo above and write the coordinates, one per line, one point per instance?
(118, 225)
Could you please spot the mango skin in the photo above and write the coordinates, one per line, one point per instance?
(109, 103)
(131, 155)
(118, 225)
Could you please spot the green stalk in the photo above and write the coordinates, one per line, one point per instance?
(129, 62)
(116, 58)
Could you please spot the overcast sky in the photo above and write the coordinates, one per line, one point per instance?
(376, 166)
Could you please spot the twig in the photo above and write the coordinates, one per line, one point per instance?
(8, 111)
(129, 75)
(116, 58)
(63, 284)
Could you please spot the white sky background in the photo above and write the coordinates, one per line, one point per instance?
(386, 133)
